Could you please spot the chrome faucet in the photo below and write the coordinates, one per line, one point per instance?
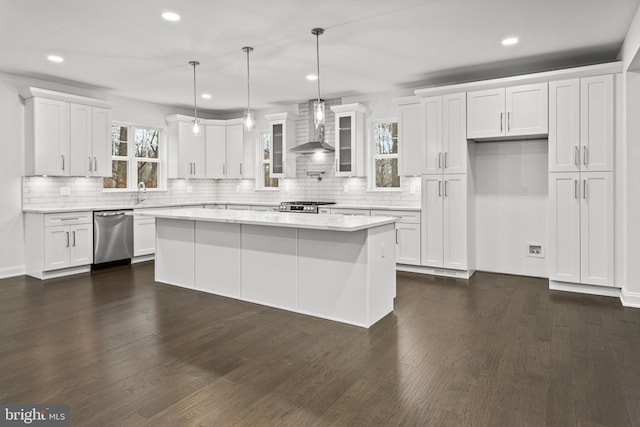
(143, 187)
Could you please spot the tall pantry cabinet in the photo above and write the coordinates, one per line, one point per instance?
(581, 181)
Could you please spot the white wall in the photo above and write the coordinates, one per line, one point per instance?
(511, 179)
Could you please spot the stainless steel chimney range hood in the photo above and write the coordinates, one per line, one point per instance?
(317, 143)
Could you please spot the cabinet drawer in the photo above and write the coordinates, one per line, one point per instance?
(70, 218)
(408, 217)
(359, 212)
(239, 207)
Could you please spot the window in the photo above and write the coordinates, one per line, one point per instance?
(139, 158)
(265, 181)
(385, 154)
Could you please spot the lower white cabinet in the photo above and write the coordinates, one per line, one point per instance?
(57, 241)
(581, 228)
(144, 236)
(444, 221)
(356, 212)
(407, 235)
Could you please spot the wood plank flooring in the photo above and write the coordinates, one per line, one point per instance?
(496, 350)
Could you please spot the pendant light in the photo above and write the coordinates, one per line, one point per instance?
(249, 120)
(318, 105)
(196, 125)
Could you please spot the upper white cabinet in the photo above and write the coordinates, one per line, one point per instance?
(186, 157)
(581, 124)
(283, 136)
(225, 150)
(410, 143)
(216, 148)
(349, 145)
(235, 150)
(445, 141)
(581, 228)
(518, 111)
(90, 140)
(66, 135)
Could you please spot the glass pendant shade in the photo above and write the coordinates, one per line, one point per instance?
(196, 127)
(318, 113)
(249, 120)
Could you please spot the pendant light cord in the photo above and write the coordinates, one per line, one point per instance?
(318, 61)
(195, 109)
(248, 82)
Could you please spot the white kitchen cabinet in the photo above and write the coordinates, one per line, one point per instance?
(581, 121)
(239, 207)
(410, 146)
(144, 236)
(502, 113)
(67, 240)
(90, 140)
(407, 235)
(445, 134)
(354, 212)
(581, 228)
(444, 221)
(66, 135)
(349, 139)
(283, 134)
(186, 157)
(235, 151)
(215, 150)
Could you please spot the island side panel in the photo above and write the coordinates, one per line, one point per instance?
(332, 275)
(269, 265)
(381, 265)
(217, 258)
(174, 252)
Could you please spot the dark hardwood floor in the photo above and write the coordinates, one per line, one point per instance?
(496, 350)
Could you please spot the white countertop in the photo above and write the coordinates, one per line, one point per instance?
(151, 205)
(275, 219)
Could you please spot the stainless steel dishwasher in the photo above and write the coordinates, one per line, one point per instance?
(112, 236)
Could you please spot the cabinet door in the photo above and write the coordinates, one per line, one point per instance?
(433, 161)
(101, 141)
(185, 166)
(527, 110)
(432, 221)
(411, 151)
(454, 133)
(197, 155)
(564, 126)
(81, 245)
(56, 247)
(51, 137)
(564, 227)
(80, 157)
(486, 115)
(345, 149)
(277, 150)
(596, 222)
(455, 222)
(144, 236)
(235, 151)
(407, 243)
(596, 123)
(215, 151)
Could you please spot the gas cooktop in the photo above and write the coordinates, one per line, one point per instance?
(302, 206)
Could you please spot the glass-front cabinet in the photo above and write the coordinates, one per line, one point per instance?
(283, 132)
(349, 143)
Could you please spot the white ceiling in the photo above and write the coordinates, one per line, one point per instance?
(369, 45)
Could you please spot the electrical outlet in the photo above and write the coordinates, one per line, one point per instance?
(237, 188)
(412, 189)
(535, 250)
(524, 191)
(346, 188)
(382, 253)
(189, 189)
(65, 191)
(287, 186)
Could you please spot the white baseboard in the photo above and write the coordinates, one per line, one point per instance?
(584, 289)
(460, 274)
(14, 271)
(44, 275)
(143, 258)
(630, 299)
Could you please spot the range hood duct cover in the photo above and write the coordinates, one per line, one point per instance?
(317, 143)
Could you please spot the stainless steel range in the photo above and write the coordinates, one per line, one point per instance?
(303, 207)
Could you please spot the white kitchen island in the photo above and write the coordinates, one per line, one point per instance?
(331, 266)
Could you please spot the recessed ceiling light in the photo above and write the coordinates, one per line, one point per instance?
(510, 41)
(170, 16)
(205, 96)
(55, 58)
(312, 77)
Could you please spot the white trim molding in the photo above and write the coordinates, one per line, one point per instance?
(6, 272)
(630, 299)
(444, 272)
(584, 289)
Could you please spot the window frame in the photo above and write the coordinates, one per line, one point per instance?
(132, 160)
(375, 156)
(260, 184)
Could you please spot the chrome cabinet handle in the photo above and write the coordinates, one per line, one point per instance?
(509, 121)
(73, 234)
(90, 164)
(67, 233)
(585, 155)
(439, 160)
(576, 155)
(396, 236)
(241, 172)
(224, 169)
(584, 188)
(62, 156)
(501, 116)
(439, 188)
(445, 188)
(575, 189)
(95, 164)
(446, 159)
